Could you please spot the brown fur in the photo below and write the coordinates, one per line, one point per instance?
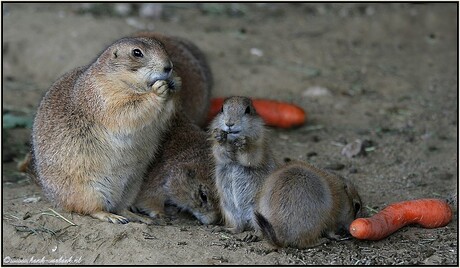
(182, 175)
(299, 203)
(190, 64)
(99, 126)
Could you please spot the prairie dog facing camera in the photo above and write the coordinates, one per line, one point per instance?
(300, 203)
(99, 126)
(182, 175)
(243, 160)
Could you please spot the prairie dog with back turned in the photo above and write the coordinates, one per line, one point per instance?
(300, 203)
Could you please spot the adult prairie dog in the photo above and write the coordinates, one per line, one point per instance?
(99, 126)
(300, 203)
(243, 159)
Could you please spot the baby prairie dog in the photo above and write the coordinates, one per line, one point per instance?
(300, 203)
(243, 160)
(99, 126)
(182, 175)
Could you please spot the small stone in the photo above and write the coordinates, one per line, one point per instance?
(316, 91)
(284, 137)
(31, 200)
(311, 154)
(256, 52)
(433, 260)
(353, 149)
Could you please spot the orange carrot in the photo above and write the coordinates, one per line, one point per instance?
(214, 108)
(274, 113)
(428, 213)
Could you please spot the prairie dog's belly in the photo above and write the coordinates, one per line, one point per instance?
(128, 158)
(237, 190)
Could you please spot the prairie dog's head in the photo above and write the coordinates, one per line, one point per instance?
(192, 189)
(352, 205)
(136, 62)
(354, 199)
(238, 117)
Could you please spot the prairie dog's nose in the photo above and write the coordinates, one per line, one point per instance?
(229, 124)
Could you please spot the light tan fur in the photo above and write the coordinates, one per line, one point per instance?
(99, 126)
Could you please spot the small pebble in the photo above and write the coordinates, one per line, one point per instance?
(31, 200)
(284, 137)
(353, 149)
(316, 91)
(256, 52)
(311, 154)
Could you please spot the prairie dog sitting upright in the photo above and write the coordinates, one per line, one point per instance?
(243, 159)
(99, 126)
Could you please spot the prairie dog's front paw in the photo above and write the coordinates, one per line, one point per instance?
(161, 88)
(219, 135)
(240, 142)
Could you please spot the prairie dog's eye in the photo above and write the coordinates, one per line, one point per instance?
(222, 109)
(203, 197)
(248, 110)
(357, 207)
(137, 53)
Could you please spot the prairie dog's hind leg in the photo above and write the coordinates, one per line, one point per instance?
(109, 217)
(135, 217)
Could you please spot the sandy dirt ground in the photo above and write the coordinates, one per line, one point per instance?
(381, 73)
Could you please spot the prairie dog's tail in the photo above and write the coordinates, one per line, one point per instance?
(267, 229)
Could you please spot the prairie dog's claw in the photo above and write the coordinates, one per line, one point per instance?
(161, 88)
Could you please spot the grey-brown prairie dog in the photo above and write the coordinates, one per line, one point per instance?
(99, 126)
(191, 66)
(243, 159)
(182, 175)
(300, 203)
